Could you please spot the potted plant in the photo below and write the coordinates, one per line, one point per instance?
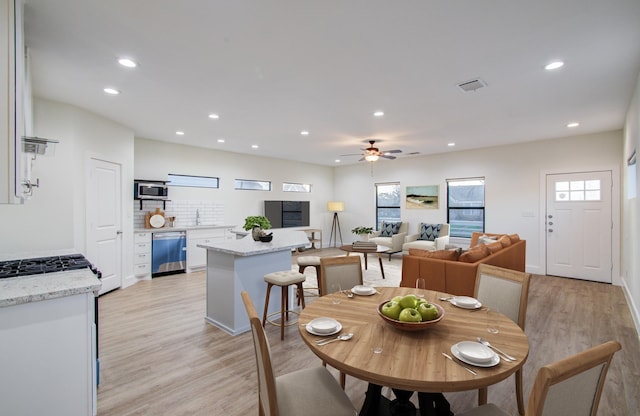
(256, 223)
(363, 232)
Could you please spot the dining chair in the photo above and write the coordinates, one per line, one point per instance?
(339, 273)
(507, 291)
(310, 391)
(571, 386)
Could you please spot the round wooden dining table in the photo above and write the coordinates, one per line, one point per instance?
(412, 361)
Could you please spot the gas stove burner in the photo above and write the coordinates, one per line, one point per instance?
(26, 267)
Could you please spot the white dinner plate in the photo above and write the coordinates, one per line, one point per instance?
(465, 302)
(324, 326)
(475, 352)
(156, 221)
(456, 353)
(363, 290)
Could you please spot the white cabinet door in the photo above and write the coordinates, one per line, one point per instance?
(197, 256)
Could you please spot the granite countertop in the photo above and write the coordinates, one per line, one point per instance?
(247, 246)
(192, 227)
(38, 287)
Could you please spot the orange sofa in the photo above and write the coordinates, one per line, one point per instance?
(458, 277)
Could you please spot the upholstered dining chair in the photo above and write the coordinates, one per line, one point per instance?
(507, 291)
(339, 273)
(571, 386)
(310, 391)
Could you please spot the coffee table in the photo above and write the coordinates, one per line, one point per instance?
(379, 250)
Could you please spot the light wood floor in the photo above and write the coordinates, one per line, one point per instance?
(159, 357)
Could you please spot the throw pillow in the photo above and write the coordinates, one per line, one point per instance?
(514, 238)
(494, 247)
(388, 229)
(474, 254)
(438, 254)
(485, 239)
(429, 232)
(505, 241)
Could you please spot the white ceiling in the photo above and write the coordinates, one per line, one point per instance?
(272, 68)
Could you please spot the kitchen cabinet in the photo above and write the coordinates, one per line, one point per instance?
(197, 256)
(142, 254)
(8, 141)
(48, 352)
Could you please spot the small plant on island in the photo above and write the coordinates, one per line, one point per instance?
(362, 230)
(259, 220)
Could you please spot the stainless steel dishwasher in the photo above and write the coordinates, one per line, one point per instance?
(168, 253)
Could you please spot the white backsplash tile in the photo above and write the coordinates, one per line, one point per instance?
(209, 213)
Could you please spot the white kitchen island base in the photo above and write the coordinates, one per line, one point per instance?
(239, 265)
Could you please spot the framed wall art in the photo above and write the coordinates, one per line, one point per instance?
(422, 197)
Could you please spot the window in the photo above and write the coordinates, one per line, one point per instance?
(465, 206)
(387, 203)
(588, 190)
(296, 187)
(252, 185)
(193, 181)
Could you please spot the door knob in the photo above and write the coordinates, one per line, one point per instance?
(118, 232)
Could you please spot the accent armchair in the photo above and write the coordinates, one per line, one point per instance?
(438, 243)
(393, 242)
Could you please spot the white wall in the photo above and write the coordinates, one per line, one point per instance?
(630, 212)
(512, 189)
(54, 217)
(154, 160)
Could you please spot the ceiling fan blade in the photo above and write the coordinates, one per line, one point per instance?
(388, 157)
(393, 151)
(361, 160)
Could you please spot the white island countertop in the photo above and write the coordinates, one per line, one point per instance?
(247, 246)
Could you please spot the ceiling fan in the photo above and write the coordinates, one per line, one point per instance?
(372, 153)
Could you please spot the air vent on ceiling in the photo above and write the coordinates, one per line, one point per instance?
(472, 85)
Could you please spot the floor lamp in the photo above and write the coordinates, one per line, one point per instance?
(335, 207)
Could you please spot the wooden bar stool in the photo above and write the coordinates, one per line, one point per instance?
(309, 261)
(284, 279)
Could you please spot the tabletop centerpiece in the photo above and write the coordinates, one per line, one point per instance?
(363, 232)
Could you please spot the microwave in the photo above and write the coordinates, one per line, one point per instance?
(150, 190)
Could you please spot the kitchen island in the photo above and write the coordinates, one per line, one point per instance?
(237, 265)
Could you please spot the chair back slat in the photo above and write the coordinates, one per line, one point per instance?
(267, 396)
(572, 386)
(503, 289)
(345, 270)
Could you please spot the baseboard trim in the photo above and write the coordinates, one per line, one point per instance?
(633, 308)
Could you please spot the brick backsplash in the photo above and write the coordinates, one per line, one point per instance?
(211, 213)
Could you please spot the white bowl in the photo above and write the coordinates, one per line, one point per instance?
(475, 352)
(323, 325)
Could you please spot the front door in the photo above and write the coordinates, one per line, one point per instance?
(579, 225)
(104, 222)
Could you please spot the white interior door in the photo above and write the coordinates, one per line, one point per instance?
(104, 222)
(579, 225)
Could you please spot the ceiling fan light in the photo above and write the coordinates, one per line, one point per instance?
(371, 158)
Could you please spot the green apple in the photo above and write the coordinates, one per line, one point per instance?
(410, 315)
(391, 309)
(420, 302)
(397, 299)
(428, 311)
(409, 301)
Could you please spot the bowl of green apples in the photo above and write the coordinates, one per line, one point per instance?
(410, 313)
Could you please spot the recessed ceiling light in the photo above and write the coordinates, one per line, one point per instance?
(127, 62)
(111, 91)
(214, 116)
(304, 133)
(571, 125)
(554, 65)
(254, 146)
(337, 160)
(220, 140)
(180, 133)
(378, 113)
(451, 144)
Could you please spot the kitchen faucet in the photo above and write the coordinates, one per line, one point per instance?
(197, 217)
